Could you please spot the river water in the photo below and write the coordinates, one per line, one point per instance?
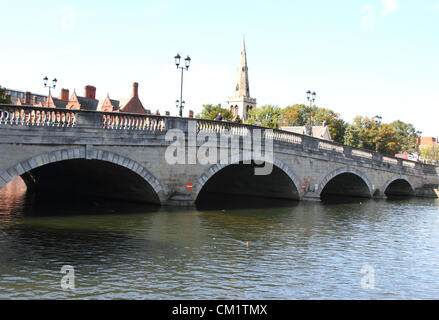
(362, 249)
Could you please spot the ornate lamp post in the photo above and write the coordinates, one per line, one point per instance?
(54, 81)
(311, 98)
(187, 61)
(378, 120)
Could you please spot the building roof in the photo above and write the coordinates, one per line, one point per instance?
(88, 103)
(134, 105)
(52, 102)
(107, 104)
(76, 102)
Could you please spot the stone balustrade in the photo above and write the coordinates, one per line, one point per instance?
(42, 117)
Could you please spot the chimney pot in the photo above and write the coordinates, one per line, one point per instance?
(90, 92)
(135, 89)
(27, 97)
(64, 95)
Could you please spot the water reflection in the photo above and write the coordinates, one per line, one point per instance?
(295, 250)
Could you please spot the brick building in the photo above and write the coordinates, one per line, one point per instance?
(75, 102)
(25, 97)
(427, 141)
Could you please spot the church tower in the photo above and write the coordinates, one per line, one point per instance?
(241, 103)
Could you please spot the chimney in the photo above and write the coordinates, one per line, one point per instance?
(191, 114)
(135, 89)
(64, 95)
(167, 113)
(90, 92)
(27, 97)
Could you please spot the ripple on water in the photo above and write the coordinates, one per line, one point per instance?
(307, 251)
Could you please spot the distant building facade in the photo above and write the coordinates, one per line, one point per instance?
(25, 97)
(241, 103)
(427, 141)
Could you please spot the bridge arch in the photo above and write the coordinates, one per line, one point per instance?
(399, 186)
(55, 157)
(352, 181)
(279, 168)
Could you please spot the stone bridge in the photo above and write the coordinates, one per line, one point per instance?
(126, 156)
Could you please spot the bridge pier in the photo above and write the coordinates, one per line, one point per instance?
(312, 196)
(379, 194)
(427, 191)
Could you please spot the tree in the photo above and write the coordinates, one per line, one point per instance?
(266, 116)
(335, 124)
(406, 135)
(210, 112)
(237, 119)
(3, 97)
(352, 136)
(367, 133)
(299, 115)
(387, 140)
(295, 115)
(391, 138)
(430, 152)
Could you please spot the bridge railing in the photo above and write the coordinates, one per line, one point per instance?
(121, 121)
(53, 117)
(30, 116)
(36, 116)
(219, 127)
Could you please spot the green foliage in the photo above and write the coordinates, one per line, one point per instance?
(295, 115)
(210, 112)
(3, 98)
(299, 115)
(391, 138)
(363, 132)
(237, 119)
(406, 136)
(352, 136)
(265, 116)
(430, 152)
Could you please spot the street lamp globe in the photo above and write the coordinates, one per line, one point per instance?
(177, 59)
(45, 79)
(187, 62)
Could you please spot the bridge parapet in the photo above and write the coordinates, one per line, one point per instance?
(35, 116)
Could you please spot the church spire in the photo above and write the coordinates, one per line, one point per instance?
(242, 86)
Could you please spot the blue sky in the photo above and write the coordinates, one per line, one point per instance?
(361, 57)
